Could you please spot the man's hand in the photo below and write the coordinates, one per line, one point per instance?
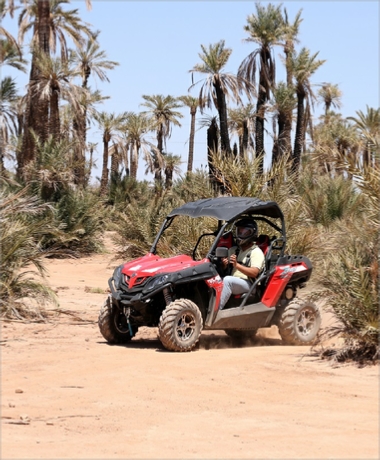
(225, 262)
(233, 260)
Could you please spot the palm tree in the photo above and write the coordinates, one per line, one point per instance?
(368, 127)
(218, 87)
(331, 96)
(136, 127)
(118, 155)
(291, 31)
(213, 136)
(49, 22)
(162, 110)
(89, 59)
(193, 103)
(284, 102)
(58, 24)
(303, 66)
(266, 28)
(36, 114)
(54, 83)
(8, 115)
(82, 114)
(109, 124)
(172, 165)
(91, 147)
(241, 122)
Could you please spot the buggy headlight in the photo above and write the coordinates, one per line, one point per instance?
(117, 276)
(157, 281)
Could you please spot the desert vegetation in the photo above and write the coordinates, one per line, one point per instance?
(325, 176)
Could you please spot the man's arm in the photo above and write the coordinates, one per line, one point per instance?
(251, 272)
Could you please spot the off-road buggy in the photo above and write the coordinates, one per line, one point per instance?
(181, 295)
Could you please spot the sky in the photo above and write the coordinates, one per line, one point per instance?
(158, 42)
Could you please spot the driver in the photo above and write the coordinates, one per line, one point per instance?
(247, 262)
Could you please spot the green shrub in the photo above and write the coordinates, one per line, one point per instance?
(79, 224)
(24, 221)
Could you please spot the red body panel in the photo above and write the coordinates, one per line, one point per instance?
(279, 280)
(216, 283)
(139, 269)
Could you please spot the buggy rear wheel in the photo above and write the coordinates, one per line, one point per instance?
(300, 322)
(180, 325)
(113, 324)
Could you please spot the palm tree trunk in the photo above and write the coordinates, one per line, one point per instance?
(41, 122)
(212, 147)
(225, 145)
(366, 156)
(54, 122)
(260, 153)
(134, 160)
(114, 162)
(244, 140)
(286, 140)
(104, 178)
(157, 167)
(299, 136)
(88, 172)
(279, 145)
(80, 127)
(190, 160)
(288, 52)
(263, 96)
(168, 178)
(36, 112)
(79, 151)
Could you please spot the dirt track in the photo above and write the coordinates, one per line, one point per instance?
(65, 393)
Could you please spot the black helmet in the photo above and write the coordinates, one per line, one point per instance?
(246, 231)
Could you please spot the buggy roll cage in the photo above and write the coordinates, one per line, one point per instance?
(227, 210)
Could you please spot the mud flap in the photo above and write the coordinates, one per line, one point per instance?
(251, 316)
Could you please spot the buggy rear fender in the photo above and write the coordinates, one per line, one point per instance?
(289, 270)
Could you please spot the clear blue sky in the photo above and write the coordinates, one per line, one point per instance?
(157, 43)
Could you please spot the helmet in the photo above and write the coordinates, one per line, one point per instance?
(246, 231)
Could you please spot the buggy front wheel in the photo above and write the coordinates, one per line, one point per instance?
(180, 325)
(113, 324)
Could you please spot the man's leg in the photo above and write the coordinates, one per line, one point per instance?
(233, 285)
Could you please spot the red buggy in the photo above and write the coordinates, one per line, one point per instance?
(180, 295)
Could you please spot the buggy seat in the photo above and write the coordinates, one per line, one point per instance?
(263, 242)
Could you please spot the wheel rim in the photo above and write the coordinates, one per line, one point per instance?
(121, 323)
(306, 322)
(186, 326)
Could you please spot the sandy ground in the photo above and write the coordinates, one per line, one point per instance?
(65, 393)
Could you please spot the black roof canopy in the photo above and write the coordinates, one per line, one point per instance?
(228, 208)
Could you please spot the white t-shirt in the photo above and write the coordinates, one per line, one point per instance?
(256, 259)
